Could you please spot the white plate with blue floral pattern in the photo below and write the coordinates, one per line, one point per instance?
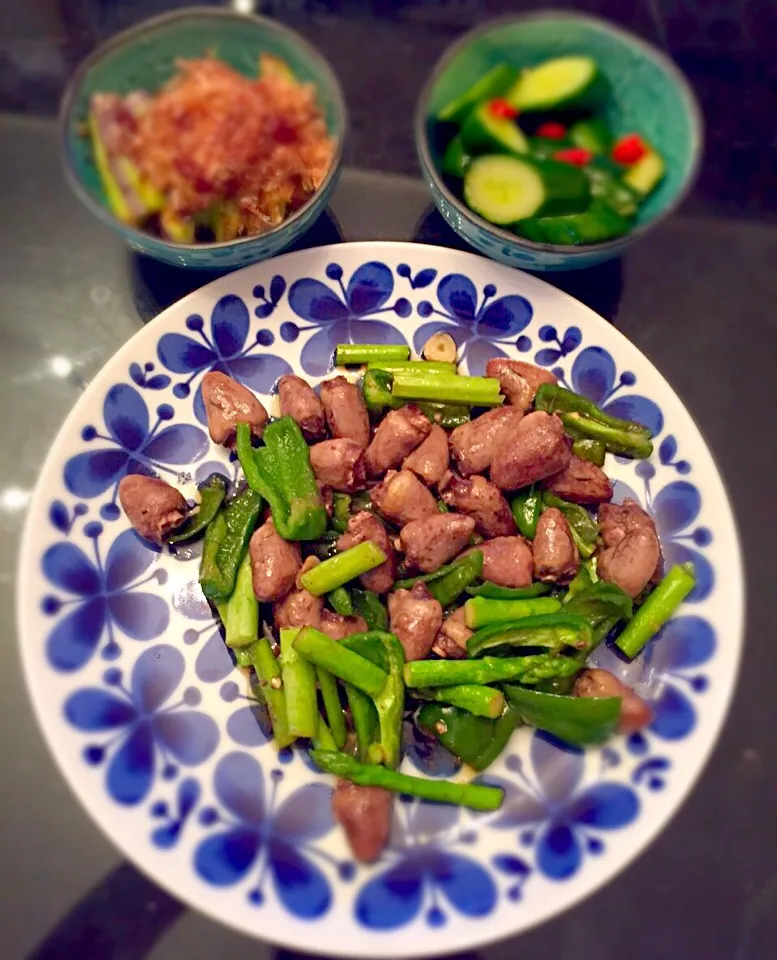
(148, 718)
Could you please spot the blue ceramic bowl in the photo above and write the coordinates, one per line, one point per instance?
(649, 95)
(143, 57)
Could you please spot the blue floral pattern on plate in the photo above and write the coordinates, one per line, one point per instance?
(555, 813)
(144, 727)
(134, 684)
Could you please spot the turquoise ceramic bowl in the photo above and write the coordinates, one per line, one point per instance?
(144, 58)
(649, 95)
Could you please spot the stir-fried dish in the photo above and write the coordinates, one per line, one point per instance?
(421, 543)
(213, 155)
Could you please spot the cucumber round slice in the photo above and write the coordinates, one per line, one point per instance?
(503, 189)
(492, 84)
(645, 175)
(485, 133)
(561, 83)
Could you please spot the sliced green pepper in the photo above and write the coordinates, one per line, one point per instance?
(385, 651)
(526, 508)
(280, 471)
(477, 741)
(340, 601)
(370, 607)
(341, 512)
(447, 415)
(582, 526)
(601, 601)
(583, 420)
(593, 451)
(226, 541)
(449, 582)
(449, 588)
(212, 494)
(553, 630)
(578, 720)
(376, 388)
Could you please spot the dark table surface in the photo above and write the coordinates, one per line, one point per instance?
(697, 297)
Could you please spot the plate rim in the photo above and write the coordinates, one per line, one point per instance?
(368, 945)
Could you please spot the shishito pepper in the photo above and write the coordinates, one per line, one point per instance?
(211, 497)
(449, 582)
(225, 544)
(370, 607)
(385, 651)
(552, 630)
(582, 526)
(477, 741)
(526, 508)
(583, 420)
(578, 720)
(280, 471)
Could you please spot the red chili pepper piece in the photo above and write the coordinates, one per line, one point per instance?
(629, 149)
(552, 130)
(501, 108)
(577, 156)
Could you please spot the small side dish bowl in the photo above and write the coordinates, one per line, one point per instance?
(144, 58)
(648, 94)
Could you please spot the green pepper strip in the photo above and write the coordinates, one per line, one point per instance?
(577, 720)
(463, 573)
(365, 719)
(657, 609)
(324, 739)
(332, 707)
(580, 581)
(212, 494)
(448, 673)
(624, 443)
(268, 673)
(226, 541)
(386, 652)
(477, 741)
(447, 415)
(478, 700)
(341, 512)
(593, 451)
(340, 601)
(370, 607)
(553, 630)
(473, 795)
(526, 509)
(480, 611)
(600, 602)
(582, 526)
(281, 472)
(449, 582)
(494, 592)
(555, 399)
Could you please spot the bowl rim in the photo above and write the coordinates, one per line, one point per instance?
(685, 91)
(134, 33)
